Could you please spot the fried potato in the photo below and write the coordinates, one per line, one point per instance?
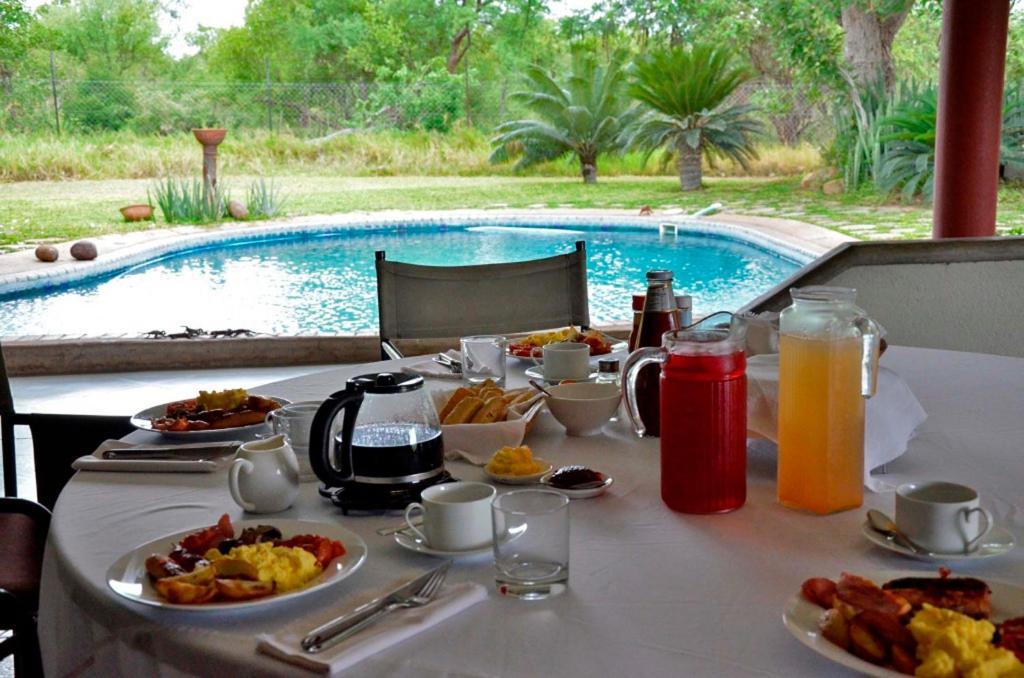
(453, 400)
(235, 567)
(464, 411)
(904, 660)
(888, 627)
(199, 576)
(865, 644)
(183, 593)
(239, 589)
(835, 628)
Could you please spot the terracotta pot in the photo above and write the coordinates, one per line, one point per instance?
(137, 212)
(209, 136)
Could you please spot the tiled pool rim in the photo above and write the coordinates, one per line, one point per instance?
(60, 274)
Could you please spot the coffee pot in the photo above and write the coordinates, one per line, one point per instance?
(378, 441)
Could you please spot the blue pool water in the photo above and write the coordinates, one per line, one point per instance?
(326, 283)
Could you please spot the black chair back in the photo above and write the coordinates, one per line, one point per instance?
(59, 439)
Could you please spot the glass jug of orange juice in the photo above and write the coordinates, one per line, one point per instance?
(828, 362)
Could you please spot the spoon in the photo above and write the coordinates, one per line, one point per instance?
(536, 384)
(883, 524)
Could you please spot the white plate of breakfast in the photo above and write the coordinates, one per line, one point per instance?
(211, 415)
(204, 569)
(523, 346)
(875, 624)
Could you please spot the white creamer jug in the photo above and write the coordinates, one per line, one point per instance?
(264, 476)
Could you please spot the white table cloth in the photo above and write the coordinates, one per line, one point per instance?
(651, 592)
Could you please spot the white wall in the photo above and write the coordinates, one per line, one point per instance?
(964, 306)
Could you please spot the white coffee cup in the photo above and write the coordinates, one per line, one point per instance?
(941, 517)
(456, 516)
(264, 477)
(564, 360)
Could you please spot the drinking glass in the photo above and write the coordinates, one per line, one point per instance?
(483, 358)
(295, 421)
(531, 543)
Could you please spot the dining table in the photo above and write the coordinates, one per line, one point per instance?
(651, 592)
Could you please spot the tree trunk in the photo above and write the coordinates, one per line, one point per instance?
(457, 50)
(688, 164)
(588, 168)
(867, 42)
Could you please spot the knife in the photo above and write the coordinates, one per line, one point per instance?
(190, 453)
(332, 628)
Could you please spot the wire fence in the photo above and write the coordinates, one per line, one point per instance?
(311, 109)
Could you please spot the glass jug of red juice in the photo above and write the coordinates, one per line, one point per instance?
(703, 416)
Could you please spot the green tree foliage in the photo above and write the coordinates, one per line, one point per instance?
(108, 39)
(583, 116)
(690, 117)
(15, 26)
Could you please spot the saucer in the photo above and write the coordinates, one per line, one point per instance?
(521, 480)
(537, 372)
(996, 543)
(410, 541)
(578, 494)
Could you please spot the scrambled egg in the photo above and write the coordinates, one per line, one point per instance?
(227, 399)
(544, 338)
(513, 461)
(289, 567)
(951, 645)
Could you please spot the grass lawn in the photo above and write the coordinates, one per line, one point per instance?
(63, 210)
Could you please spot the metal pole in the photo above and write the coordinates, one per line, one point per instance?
(971, 67)
(270, 95)
(53, 88)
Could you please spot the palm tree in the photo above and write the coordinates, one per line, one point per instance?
(686, 91)
(585, 116)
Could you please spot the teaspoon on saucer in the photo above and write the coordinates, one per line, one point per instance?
(883, 524)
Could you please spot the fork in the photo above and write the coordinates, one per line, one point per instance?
(455, 366)
(424, 596)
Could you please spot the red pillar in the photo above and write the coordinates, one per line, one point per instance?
(970, 116)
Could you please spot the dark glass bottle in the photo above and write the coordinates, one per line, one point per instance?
(660, 315)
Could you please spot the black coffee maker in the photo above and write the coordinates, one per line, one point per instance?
(384, 449)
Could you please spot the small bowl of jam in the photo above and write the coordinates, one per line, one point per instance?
(577, 482)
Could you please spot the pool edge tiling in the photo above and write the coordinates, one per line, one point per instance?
(20, 272)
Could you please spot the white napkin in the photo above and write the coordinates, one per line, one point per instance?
(393, 629)
(428, 368)
(891, 415)
(209, 464)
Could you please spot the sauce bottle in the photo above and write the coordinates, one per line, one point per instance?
(660, 315)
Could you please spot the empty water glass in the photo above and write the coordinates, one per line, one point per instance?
(295, 421)
(531, 543)
(483, 358)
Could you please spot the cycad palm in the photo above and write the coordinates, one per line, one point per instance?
(686, 90)
(585, 116)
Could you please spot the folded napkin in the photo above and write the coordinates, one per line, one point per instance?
(219, 455)
(393, 629)
(891, 416)
(428, 368)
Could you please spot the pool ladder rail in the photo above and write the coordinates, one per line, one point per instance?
(673, 228)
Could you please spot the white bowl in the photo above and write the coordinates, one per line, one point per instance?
(583, 408)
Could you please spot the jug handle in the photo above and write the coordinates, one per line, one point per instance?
(870, 343)
(320, 437)
(636, 360)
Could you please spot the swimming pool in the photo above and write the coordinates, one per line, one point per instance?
(323, 281)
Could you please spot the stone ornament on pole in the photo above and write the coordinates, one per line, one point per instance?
(210, 138)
